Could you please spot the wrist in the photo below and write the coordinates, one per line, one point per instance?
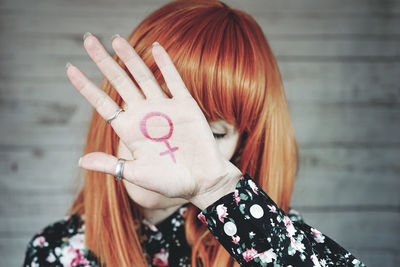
(226, 185)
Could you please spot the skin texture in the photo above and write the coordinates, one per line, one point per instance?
(157, 207)
(199, 170)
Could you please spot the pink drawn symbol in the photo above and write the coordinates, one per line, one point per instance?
(165, 138)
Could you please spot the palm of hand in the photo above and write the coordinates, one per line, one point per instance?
(174, 152)
(172, 145)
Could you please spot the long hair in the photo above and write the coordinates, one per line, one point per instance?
(227, 65)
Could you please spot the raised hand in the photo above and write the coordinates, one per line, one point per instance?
(173, 148)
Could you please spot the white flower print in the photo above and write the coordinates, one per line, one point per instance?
(253, 187)
(77, 241)
(222, 212)
(57, 251)
(293, 211)
(265, 241)
(272, 208)
(51, 258)
(202, 218)
(72, 257)
(82, 228)
(153, 227)
(289, 226)
(318, 236)
(40, 241)
(235, 239)
(315, 260)
(267, 256)
(297, 245)
(176, 223)
(323, 263)
(71, 254)
(150, 225)
(183, 211)
(161, 258)
(237, 198)
(249, 254)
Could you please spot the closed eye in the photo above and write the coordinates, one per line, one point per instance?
(218, 135)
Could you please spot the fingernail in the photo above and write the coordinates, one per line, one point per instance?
(79, 162)
(114, 36)
(86, 35)
(155, 43)
(67, 65)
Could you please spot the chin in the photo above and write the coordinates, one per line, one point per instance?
(150, 200)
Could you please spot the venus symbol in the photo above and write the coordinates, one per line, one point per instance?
(143, 128)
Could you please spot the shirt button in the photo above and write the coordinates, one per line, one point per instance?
(256, 211)
(230, 228)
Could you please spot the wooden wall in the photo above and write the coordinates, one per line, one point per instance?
(340, 65)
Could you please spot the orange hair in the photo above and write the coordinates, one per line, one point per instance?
(228, 67)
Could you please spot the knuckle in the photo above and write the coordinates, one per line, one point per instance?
(102, 60)
(143, 77)
(131, 59)
(85, 87)
(118, 80)
(100, 102)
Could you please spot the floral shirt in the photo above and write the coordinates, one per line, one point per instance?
(251, 227)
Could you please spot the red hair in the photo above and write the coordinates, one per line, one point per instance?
(228, 67)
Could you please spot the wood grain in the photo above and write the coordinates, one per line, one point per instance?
(339, 62)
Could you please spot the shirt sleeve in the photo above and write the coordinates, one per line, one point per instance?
(59, 244)
(256, 232)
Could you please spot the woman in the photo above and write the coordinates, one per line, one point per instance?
(193, 166)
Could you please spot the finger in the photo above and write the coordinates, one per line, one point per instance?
(103, 162)
(142, 74)
(104, 105)
(170, 73)
(112, 70)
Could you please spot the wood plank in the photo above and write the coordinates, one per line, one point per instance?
(349, 228)
(28, 164)
(325, 123)
(363, 7)
(274, 23)
(39, 203)
(339, 62)
(72, 45)
(313, 193)
(345, 177)
(345, 124)
(351, 82)
(304, 82)
(357, 232)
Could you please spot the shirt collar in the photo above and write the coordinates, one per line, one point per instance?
(167, 230)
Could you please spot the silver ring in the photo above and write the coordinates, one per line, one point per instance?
(115, 115)
(119, 169)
